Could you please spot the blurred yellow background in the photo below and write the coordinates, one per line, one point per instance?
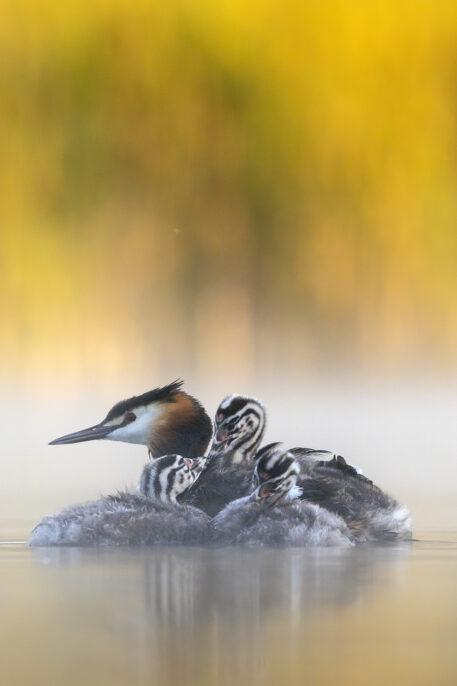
(255, 196)
(226, 189)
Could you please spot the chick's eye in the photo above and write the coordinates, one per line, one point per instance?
(130, 417)
(220, 417)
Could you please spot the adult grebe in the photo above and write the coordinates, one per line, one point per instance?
(166, 420)
(274, 514)
(150, 517)
(239, 428)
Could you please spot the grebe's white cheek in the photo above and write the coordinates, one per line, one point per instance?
(138, 431)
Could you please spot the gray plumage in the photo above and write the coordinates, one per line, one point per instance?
(370, 514)
(295, 523)
(274, 514)
(123, 519)
(152, 517)
(239, 428)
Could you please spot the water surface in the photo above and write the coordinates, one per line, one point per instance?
(381, 614)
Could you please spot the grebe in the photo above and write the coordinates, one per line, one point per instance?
(166, 420)
(308, 458)
(239, 428)
(150, 517)
(370, 514)
(274, 514)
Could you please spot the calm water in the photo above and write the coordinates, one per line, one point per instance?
(385, 614)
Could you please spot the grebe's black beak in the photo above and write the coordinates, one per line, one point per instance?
(91, 434)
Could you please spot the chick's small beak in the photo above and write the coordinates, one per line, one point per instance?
(264, 492)
(91, 434)
(222, 434)
(198, 464)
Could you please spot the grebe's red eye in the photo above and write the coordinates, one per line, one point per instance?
(130, 417)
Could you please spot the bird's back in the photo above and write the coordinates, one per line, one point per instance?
(219, 484)
(370, 513)
(122, 519)
(289, 523)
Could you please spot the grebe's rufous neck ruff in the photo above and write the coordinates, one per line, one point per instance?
(167, 420)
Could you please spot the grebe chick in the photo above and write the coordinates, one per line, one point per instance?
(370, 514)
(166, 420)
(274, 514)
(239, 428)
(150, 517)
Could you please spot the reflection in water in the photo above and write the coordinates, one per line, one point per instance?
(140, 617)
(214, 615)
